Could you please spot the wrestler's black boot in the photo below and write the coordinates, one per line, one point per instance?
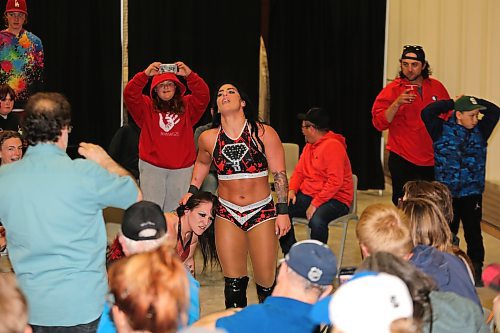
(235, 292)
(263, 292)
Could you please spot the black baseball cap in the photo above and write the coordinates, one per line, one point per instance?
(144, 220)
(417, 50)
(316, 116)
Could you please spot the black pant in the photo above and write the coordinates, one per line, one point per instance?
(318, 224)
(82, 328)
(403, 171)
(469, 210)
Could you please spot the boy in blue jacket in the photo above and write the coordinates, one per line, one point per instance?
(460, 159)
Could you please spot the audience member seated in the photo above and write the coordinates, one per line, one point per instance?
(149, 292)
(11, 150)
(189, 225)
(440, 195)
(436, 311)
(383, 227)
(369, 302)
(144, 229)
(13, 306)
(8, 119)
(321, 188)
(428, 230)
(11, 147)
(305, 275)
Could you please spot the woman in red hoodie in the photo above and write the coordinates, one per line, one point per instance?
(166, 118)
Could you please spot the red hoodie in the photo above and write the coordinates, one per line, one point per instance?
(408, 136)
(324, 171)
(166, 139)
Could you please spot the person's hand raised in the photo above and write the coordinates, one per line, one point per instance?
(183, 69)
(153, 69)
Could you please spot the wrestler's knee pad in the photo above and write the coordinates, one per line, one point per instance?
(235, 292)
(263, 292)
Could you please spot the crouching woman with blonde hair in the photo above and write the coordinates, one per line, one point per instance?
(149, 291)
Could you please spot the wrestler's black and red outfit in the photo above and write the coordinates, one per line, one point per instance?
(241, 158)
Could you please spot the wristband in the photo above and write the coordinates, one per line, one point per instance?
(282, 208)
(193, 189)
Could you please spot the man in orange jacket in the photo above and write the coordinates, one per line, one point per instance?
(321, 188)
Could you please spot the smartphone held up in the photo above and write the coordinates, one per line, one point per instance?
(168, 68)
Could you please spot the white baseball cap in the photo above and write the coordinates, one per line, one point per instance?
(369, 302)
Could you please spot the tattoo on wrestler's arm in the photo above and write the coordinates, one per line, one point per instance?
(281, 186)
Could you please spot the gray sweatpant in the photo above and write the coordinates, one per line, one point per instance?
(164, 186)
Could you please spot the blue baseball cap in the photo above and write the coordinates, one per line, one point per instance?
(314, 261)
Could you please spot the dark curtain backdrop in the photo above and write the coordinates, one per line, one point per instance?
(81, 40)
(329, 53)
(218, 39)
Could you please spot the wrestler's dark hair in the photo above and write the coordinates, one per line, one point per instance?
(426, 71)
(248, 110)
(419, 284)
(47, 114)
(5, 90)
(174, 105)
(207, 239)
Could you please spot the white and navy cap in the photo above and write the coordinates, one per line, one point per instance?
(313, 260)
(380, 297)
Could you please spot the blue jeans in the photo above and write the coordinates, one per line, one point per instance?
(82, 328)
(318, 224)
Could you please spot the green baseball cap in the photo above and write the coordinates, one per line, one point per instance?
(468, 103)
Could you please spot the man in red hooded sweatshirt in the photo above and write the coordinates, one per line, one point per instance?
(321, 186)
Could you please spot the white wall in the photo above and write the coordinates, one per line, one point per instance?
(461, 39)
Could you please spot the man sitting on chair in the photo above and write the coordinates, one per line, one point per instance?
(321, 187)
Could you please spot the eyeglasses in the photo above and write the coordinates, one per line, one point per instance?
(168, 84)
(306, 126)
(16, 15)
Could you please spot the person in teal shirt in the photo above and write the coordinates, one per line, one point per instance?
(53, 218)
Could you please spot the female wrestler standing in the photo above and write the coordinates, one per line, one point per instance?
(242, 151)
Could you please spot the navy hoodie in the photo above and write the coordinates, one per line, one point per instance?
(446, 269)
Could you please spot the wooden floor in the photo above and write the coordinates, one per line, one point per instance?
(212, 285)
